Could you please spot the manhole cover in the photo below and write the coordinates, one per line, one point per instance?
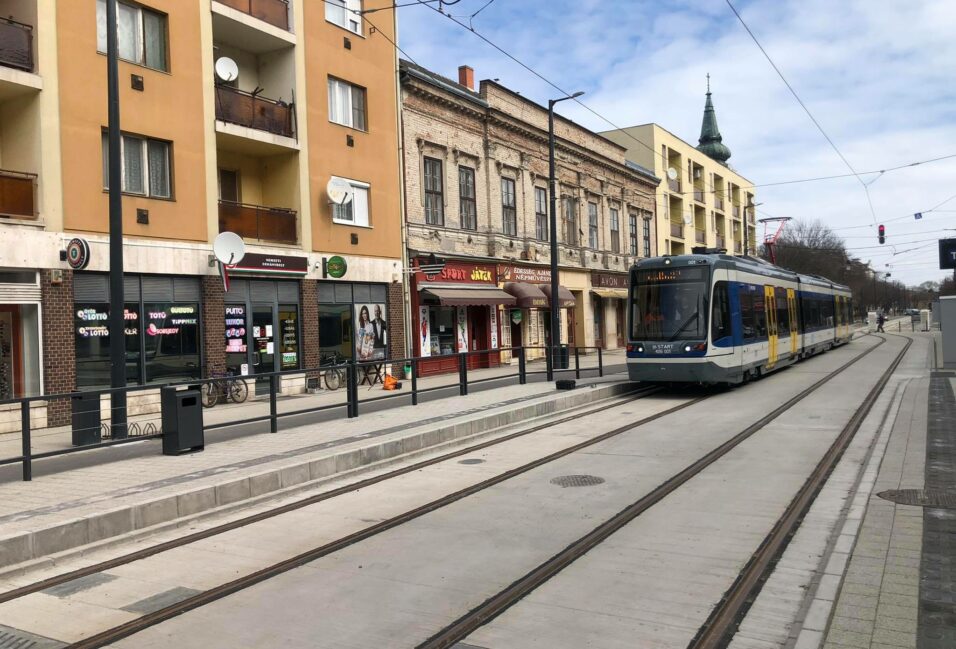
(470, 461)
(921, 497)
(577, 480)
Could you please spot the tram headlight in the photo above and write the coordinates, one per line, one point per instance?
(687, 348)
(640, 349)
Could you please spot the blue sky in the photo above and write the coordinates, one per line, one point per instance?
(879, 76)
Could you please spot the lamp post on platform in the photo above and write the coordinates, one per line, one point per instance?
(555, 301)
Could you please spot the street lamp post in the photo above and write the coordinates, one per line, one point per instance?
(555, 301)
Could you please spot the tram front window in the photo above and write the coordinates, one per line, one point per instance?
(669, 304)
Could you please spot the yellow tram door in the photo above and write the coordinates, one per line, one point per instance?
(770, 308)
(792, 303)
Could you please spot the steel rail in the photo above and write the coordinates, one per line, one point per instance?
(498, 603)
(206, 597)
(304, 502)
(724, 620)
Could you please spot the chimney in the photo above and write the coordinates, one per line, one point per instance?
(466, 77)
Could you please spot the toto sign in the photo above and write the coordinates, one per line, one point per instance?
(78, 253)
(947, 253)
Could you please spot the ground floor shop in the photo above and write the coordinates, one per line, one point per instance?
(20, 306)
(529, 320)
(608, 309)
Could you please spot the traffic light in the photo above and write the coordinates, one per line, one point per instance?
(882, 234)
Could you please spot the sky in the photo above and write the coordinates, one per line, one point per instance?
(879, 76)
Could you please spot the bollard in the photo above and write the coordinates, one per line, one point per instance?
(577, 363)
(549, 362)
(463, 374)
(351, 390)
(414, 369)
(25, 438)
(522, 368)
(273, 407)
(600, 362)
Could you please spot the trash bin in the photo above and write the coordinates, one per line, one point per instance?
(86, 420)
(182, 420)
(562, 357)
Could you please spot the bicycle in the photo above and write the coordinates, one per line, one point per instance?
(335, 376)
(227, 387)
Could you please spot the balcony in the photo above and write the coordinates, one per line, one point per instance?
(700, 236)
(718, 203)
(736, 211)
(274, 12)
(674, 185)
(699, 195)
(677, 230)
(260, 223)
(17, 195)
(16, 45)
(252, 111)
(720, 241)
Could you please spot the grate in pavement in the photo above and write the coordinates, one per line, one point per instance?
(576, 481)
(471, 461)
(921, 497)
(11, 638)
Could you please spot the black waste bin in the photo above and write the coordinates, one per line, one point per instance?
(182, 420)
(561, 358)
(86, 419)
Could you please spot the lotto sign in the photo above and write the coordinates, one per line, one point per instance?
(78, 253)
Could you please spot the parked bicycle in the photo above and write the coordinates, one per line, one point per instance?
(335, 376)
(226, 388)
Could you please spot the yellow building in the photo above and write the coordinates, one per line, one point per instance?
(702, 201)
(235, 116)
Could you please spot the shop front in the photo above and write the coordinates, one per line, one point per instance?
(456, 311)
(609, 306)
(19, 333)
(353, 322)
(529, 320)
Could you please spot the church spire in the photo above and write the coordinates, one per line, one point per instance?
(710, 141)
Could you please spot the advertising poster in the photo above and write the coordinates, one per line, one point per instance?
(371, 332)
(424, 332)
(494, 326)
(462, 329)
(236, 330)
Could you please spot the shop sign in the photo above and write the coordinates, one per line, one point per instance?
(92, 322)
(236, 330)
(273, 264)
(78, 253)
(494, 327)
(608, 280)
(525, 274)
(516, 316)
(463, 273)
(334, 267)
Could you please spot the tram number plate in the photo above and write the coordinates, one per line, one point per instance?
(664, 348)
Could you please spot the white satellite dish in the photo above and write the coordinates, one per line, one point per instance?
(226, 69)
(672, 173)
(229, 248)
(688, 219)
(339, 191)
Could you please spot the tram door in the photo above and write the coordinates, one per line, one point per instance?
(792, 302)
(771, 310)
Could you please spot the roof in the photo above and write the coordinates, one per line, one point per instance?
(633, 166)
(426, 75)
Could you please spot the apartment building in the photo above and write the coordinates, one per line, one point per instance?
(701, 201)
(476, 192)
(235, 115)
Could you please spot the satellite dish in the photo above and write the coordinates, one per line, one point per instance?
(339, 191)
(671, 172)
(229, 248)
(226, 69)
(688, 219)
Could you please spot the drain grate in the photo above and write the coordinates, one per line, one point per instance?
(471, 461)
(921, 497)
(576, 481)
(11, 638)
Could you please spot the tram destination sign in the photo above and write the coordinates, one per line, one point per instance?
(947, 253)
(671, 275)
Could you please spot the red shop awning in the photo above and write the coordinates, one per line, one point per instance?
(482, 296)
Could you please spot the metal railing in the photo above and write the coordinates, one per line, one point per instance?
(18, 194)
(699, 195)
(736, 211)
(720, 241)
(677, 230)
(274, 12)
(718, 203)
(90, 432)
(254, 111)
(258, 222)
(673, 185)
(16, 45)
(700, 236)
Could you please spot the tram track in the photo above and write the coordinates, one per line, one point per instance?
(497, 604)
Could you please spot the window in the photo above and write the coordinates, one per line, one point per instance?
(346, 104)
(615, 230)
(592, 225)
(355, 212)
(345, 13)
(144, 167)
(647, 236)
(760, 315)
(747, 313)
(466, 198)
(720, 313)
(140, 34)
(509, 216)
(541, 226)
(632, 232)
(229, 185)
(783, 312)
(570, 221)
(434, 201)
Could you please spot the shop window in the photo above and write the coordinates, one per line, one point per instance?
(171, 341)
(442, 321)
(352, 321)
(92, 336)
(288, 337)
(19, 348)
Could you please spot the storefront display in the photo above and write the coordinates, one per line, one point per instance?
(289, 323)
(19, 351)
(608, 294)
(352, 321)
(262, 327)
(530, 321)
(370, 332)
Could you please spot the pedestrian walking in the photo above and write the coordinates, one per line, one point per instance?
(880, 319)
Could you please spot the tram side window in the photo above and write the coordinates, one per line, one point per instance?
(760, 316)
(747, 314)
(828, 311)
(720, 312)
(783, 312)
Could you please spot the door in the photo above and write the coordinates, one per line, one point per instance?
(598, 306)
(516, 339)
(770, 300)
(263, 344)
(621, 323)
(11, 364)
(792, 303)
(478, 340)
(229, 185)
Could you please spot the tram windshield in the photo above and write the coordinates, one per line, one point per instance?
(669, 304)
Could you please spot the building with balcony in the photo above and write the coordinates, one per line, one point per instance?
(703, 201)
(476, 191)
(310, 95)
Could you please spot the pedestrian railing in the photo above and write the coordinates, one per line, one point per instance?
(80, 415)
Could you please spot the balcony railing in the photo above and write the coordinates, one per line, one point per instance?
(674, 185)
(247, 109)
(699, 195)
(16, 45)
(719, 203)
(18, 194)
(720, 242)
(700, 236)
(736, 211)
(274, 12)
(677, 230)
(258, 222)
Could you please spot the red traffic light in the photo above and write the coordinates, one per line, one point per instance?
(882, 234)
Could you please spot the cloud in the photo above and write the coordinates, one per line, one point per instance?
(880, 77)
